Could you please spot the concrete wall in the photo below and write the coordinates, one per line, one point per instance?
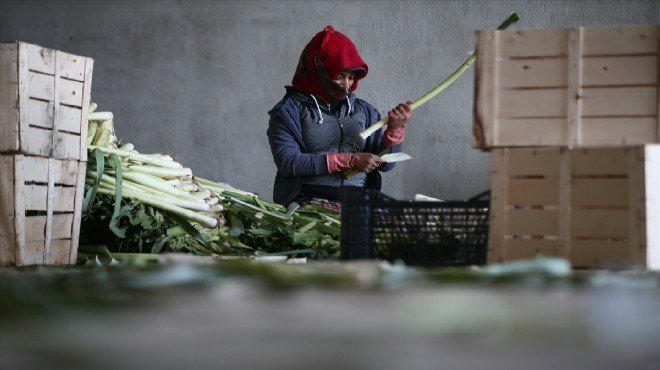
(196, 78)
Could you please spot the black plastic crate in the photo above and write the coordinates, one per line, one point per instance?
(419, 233)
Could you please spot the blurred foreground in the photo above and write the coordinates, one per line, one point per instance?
(196, 313)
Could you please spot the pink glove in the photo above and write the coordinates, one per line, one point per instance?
(400, 115)
(363, 162)
(393, 136)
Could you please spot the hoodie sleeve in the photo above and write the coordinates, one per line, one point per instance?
(286, 145)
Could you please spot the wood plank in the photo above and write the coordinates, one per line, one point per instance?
(498, 200)
(618, 131)
(533, 43)
(533, 192)
(530, 248)
(541, 103)
(7, 217)
(35, 228)
(62, 225)
(19, 209)
(77, 211)
(40, 59)
(67, 146)
(35, 169)
(33, 254)
(35, 197)
(636, 192)
(41, 86)
(532, 222)
(64, 199)
(23, 96)
(40, 113)
(37, 141)
(70, 92)
(485, 93)
(87, 99)
(564, 209)
(533, 162)
(599, 193)
(9, 113)
(59, 252)
(66, 172)
(620, 70)
(573, 90)
(544, 72)
(620, 101)
(69, 119)
(599, 223)
(51, 192)
(71, 66)
(601, 254)
(620, 40)
(599, 162)
(512, 132)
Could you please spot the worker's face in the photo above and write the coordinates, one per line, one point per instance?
(345, 80)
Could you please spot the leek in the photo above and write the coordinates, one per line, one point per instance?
(512, 18)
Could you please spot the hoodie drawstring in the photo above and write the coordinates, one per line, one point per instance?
(350, 107)
(319, 109)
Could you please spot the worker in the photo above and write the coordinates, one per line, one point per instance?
(314, 131)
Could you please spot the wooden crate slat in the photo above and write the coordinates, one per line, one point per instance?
(64, 200)
(66, 172)
(69, 119)
(41, 86)
(485, 109)
(533, 162)
(617, 131)
(35, 169)
(35, 228)
(599, 223)
(532, 222)
(541, 103)
(9, 117)
(66, 145)
(71, 66)
(70, 92)
(40, 113)
(619, 101)
(533, 73)
(538, 131)
(601, 254)
(533, 43)
(530, 248)
(599, 162)
(599, 192)
(622, 70)
(58, 253)
(40, 59)
(620, 40)
(7, 206)
(533, 192)
(32, 253)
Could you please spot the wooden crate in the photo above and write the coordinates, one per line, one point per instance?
(579, 87)
(44, 98)
(597, 207)
(41, 202)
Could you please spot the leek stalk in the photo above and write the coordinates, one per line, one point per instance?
(512, 18)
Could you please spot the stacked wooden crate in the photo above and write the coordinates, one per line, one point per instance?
(44, 97)
(572, 120)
